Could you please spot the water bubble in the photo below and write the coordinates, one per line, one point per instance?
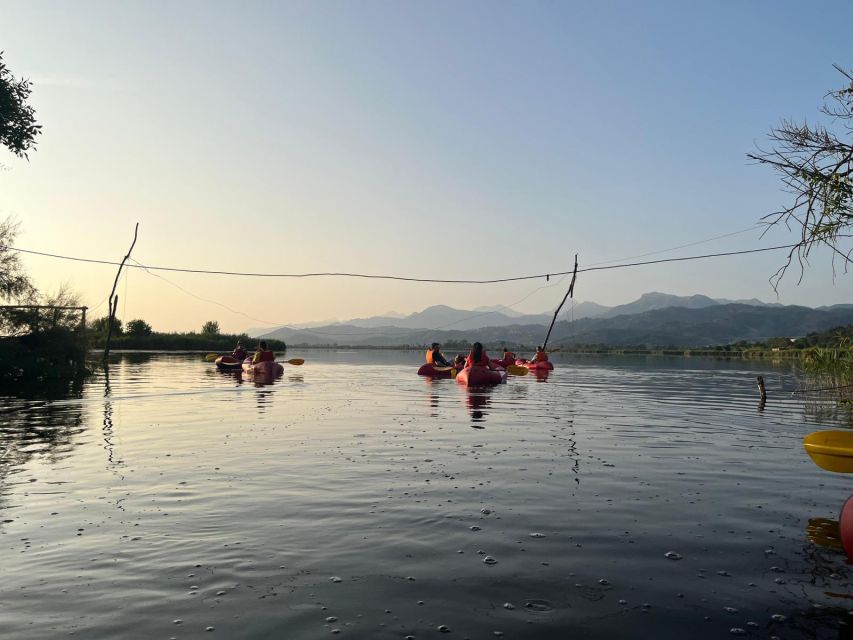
(604, 582)
(336, 631)
(209, 629)
(485, 511)
(444, 628)
(737, 631)
(331, 619)
(489, 560)
(778, 617)
(335, 579)
(729, 609)
(754, 625)
(177, 621)
(475, 528)
(509, 606)
(672, 555)
(623, 602)
(537, 535)
(723, 573)
(221, 593)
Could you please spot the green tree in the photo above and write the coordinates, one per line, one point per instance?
(15, 285)
(18, 128)
(99, 325)
(211, 327)
(815, 163)
(137, 327)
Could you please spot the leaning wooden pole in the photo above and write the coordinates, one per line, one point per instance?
(114, 298)
(566, 297)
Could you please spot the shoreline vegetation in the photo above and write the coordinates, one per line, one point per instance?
(189, 341)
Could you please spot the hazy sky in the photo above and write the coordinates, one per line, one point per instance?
(431, 139)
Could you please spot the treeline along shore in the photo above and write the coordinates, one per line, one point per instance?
(156, 341)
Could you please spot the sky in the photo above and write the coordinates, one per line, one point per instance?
(447, 140)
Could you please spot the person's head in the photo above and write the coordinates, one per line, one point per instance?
(506, 350)
(459, 358)
(476, 351)
(538, 349)
(434, 346)
(239, 343)
(262, 345)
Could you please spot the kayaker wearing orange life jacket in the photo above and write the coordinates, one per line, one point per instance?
(478, 357)
(263, 354)
(509, 357)
(540, 356)
(435, 357)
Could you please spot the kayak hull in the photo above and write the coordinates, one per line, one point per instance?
(845, 527)
(267, 369)
(535, 366)
(480, 376)
(831, 450)
(227, 363)
(432, 371)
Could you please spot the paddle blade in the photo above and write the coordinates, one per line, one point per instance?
(296, 361)
(453, 373)
(517, 370)
(210, 357)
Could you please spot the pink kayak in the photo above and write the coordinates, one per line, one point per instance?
(266, 368)
(433, 371)
(845, 526)
(535, 366)
(480, 376)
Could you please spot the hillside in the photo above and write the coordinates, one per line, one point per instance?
(699, 327)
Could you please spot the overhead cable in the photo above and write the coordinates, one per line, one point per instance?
(340, 274)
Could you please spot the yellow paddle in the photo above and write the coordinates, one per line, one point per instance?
(210, 357)
(295, 361)
(517, 370)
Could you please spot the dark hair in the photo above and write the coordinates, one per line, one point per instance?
(263, 345)
(434, 345)
(539, 348)
(506, 350)
(476, 352)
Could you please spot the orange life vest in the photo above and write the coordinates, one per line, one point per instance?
(429, 356)
(263, 356)
(540, 356)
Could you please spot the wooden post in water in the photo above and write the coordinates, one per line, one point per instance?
(761, 388)
(114, 298)
(566, 297)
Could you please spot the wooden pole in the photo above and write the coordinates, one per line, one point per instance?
(566, 297)
(761, 389)
(114, 298)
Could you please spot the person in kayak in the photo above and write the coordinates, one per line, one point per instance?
(540, 356)
(509, 357)
(239, 352)
(478, 357)
(435, 357)
(262, 354)
(459, 361)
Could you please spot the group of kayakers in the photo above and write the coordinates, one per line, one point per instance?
(262, 353)
(478, 357)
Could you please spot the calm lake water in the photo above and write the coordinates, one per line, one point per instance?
(352, 497)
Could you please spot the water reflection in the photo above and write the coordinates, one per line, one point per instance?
(477, 400)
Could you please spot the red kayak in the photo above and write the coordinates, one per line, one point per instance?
(226, 363)
(535, 366)
(845, 526)
(433, 371)
(267, 368)
(480, 376)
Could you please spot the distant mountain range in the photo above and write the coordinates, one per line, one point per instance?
(655, 319)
